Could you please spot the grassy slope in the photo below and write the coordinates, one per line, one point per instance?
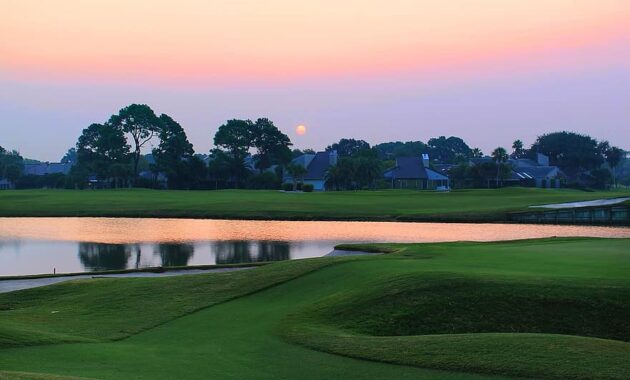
(459, 205)
(239, 339)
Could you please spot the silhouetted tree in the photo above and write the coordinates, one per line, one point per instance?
(517, 149)
(348, 147)
(500, 157)
(271, 144)
(140, 123)
(100, 147)
(444, 149)
(571, 152)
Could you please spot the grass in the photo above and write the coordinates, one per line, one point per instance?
(551, 308)
(460, 205)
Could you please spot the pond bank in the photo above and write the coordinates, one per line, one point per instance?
(10, 285)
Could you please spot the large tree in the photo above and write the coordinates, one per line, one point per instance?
(102, 150)
(348, 147)
(571, 152)
(391, 150)
(445, 149)
(140, 123)
(11, 164)
(272, 146)
(613, 157)
(233, 140)
(174, 153)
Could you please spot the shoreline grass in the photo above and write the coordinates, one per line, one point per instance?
(478, 205)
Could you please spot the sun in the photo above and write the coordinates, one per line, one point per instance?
(300, 130)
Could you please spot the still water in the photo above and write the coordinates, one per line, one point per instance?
(37, 245)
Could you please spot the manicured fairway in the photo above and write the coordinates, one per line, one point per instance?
(445, 310)
(460, 205)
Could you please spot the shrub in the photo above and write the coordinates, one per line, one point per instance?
(307, 188)
(287, 186)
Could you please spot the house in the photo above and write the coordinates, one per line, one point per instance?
(413, 172)
(529, 173)
(316, 167)
(536, 173)
(45, 168)
(5, 184)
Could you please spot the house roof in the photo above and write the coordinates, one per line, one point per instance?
(318, 166)
(47, 168)
(412, 168)
(523, 163)
(537, 172)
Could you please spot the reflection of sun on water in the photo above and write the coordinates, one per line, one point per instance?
(300, 129)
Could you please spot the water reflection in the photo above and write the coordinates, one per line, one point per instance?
(46, 245)
(239, 251)
(100, 256)
(174, 255)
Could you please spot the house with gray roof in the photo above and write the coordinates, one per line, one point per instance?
(413, 172)
(316, 167)
(45, 168)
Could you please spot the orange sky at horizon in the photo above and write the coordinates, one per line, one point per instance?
(195, 41)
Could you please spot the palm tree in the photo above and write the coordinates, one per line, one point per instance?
(477, 153)
(296, 172)
(499, 156)
(517, 147)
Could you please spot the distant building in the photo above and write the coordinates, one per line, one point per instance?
(529, 173)
(316, 167)
(413, 172)
(5, 184)
(45, 168)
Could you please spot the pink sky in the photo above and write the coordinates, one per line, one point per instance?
(344, 68)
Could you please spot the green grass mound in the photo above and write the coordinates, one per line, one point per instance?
(421, 305)
(542, 328)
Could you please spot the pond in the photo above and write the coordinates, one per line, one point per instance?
(64, 245)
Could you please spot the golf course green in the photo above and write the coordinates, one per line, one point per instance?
(549, 308)
(390, 205)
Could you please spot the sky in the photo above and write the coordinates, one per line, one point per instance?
(489, 71)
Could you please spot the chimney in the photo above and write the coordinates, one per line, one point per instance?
(542, 159)
(332, 158)
(425, 160)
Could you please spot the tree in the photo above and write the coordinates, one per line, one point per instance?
(234, 139)
(391, 150)
(348, 147)
(296, 172)
(444, 149)
(140, 123)
(11, 164)
(99, 148)
(517, 149)
(70, 156)
(571, 152)
(272, 145)
(500, 157)
(13, 172)
(476, 153)
(367, 168)
(614, 156)
(174, 153)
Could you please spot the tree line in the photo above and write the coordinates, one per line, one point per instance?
(256, 154)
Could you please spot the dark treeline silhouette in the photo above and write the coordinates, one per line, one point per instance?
(257, 155)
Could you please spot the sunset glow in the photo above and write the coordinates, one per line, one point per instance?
(232, 41)
(481, 70)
